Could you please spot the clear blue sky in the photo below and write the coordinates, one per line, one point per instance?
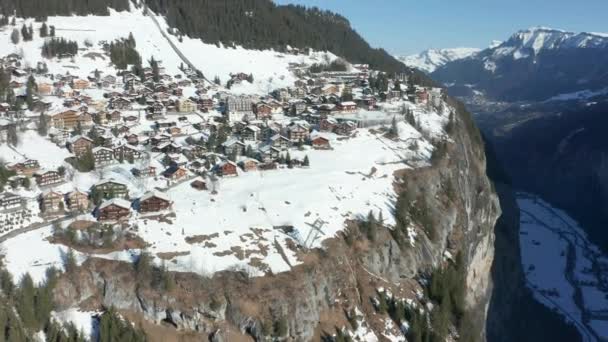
(406, 26)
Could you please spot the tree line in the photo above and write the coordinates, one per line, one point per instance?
(259, 24)
(59, 47)
(41, 9)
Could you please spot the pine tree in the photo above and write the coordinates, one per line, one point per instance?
(52, 31)
(306, 162)
(155, 69)
(70, 263)
(15, 36)
(30, 89)
(42, 125)
(13, 137)
(25, 301)
(44, 30)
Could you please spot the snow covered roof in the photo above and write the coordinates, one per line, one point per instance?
(119, 202)
(156, 194)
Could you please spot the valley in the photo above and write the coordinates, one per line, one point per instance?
(565, 271)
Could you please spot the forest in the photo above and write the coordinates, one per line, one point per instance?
(260, 24)
(42, 9)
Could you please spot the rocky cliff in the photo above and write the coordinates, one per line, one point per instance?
(452, 208)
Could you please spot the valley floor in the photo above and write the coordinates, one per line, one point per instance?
(565, 271)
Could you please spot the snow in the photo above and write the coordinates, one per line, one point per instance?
(46, 255)
(578, 95)
(549, 237)
(269, 68)
(430, 60)
(33, 146)
(336, 187)
(84, 321)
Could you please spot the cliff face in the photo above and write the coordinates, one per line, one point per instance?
(316, 297)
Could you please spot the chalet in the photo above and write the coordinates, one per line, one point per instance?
(227, 169)
(50, 177)
(298, 132)
(108, 80)
(175, 173)
(167, 147)
(174, 130)
(154, 201)
(297, 107)
(80, 84)
(77, 200)
(347, 107)
(345, 128)
(233, 147)
(249, 164)
(120, 103)
(262, 110)
(320, 143)
(45, 89)
(65, 120)
(199, 184)
(328, 124)
(280, 142)
(132, 139)
(65, 91)
(111, 188)
(205, 103)
(160, 139)
(114, 117)
(85, 120)
(79, 145)
(128, 153)
(116, 209)
(269, 152)
(250, 133)
(186, 106)
(51, 202)
(103, 156)
(27, 168)
(10, 201)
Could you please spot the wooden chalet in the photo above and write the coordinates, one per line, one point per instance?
(154, 201)
(116, 209)
(77, 200)
(50, 177)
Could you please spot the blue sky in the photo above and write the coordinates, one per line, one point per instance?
(406, 26)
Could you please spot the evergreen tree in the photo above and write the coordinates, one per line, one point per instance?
(30, 89)
(52, 31)
(15, 36)
(70, 263)
(306, 162)
(155, 69)
(42, 125)
(44, 30)
(25, 301)
(13, 137)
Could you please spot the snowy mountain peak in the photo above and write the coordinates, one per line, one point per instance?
(430, 60)
(545, 38)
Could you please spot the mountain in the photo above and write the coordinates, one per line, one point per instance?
(340, 244)
(533, 64)
(429, 60)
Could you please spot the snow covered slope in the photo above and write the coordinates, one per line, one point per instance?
(269, 68)
(431, 59)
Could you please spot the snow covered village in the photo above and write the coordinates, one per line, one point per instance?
(205, 157)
